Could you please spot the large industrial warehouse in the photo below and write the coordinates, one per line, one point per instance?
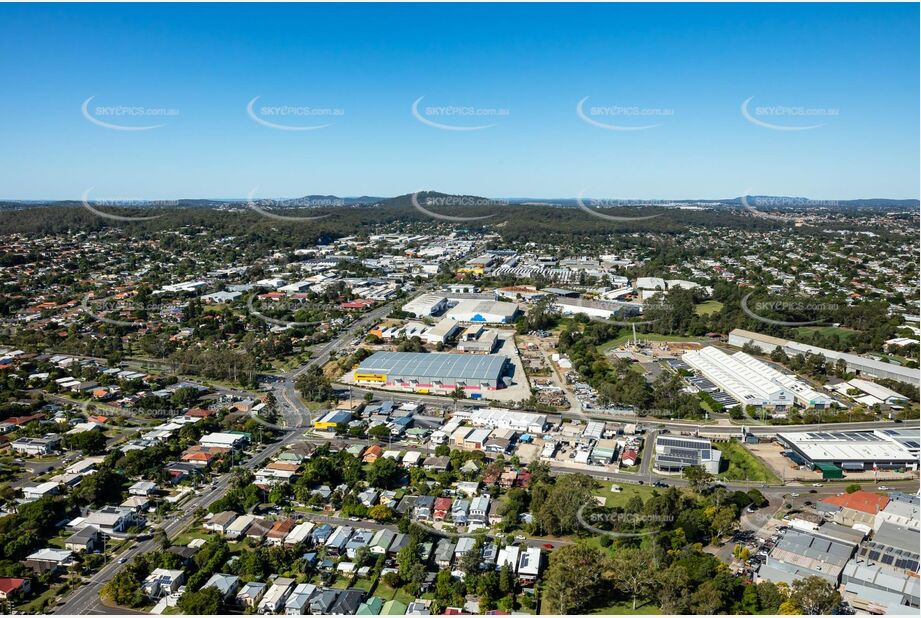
(484, 311)
(754, 383)
(853, 450)
(433, 372)
(859, 365)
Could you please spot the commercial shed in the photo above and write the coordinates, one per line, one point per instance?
(438, 371)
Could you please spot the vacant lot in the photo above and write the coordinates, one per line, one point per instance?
(622, 497)
(711, 306)
(609, 345)
(741, 465)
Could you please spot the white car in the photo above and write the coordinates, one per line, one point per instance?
(818, 485)
(884, 488)
(794, 495)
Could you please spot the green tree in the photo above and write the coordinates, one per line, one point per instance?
(379, 432)
(558, 514)
(769, 596)
(314, 385)
(577, 579)
(124, 589)
(698, 478)
(384, 473)
(750, 599)
(815, 596)
(631, 573)
(381, 513)
(204, 602)
(90, 442)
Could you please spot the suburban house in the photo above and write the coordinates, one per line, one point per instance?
(114, 519)
(250, 594)
(479, 510)
(13, 588)
(300, 533)
(143, 488)
(422, 508)
(49, 488)
(441, 508)
(459, 510)
(36, 447)
(258, 529)
(381, 541)
(163, 582)
(296, 605)
(336, 542)
(529, 565)
(49, 559)
(444, 553)
(86, 539)
(227, 585)
(220, 522)
(508, 555)
(239, 526)
(280, 530)
(274, 598)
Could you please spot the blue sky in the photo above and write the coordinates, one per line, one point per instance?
(851, 68)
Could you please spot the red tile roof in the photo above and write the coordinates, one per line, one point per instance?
(863, 501)
(9, 584)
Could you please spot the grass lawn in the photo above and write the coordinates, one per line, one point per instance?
(741, 465)
(342, 582)
(613, 343)
(804, 332)
(363, 583)
(39, 603)
(626, 607)
(184, 538)
(387, 594)
(710, 306)
(621, 498)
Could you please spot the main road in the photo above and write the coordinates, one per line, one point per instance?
(85, 599)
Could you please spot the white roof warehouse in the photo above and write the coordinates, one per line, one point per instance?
(854, 450)
(752, 382)
(421, 370)
(860, 365)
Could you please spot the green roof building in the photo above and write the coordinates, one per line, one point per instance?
(394, 608)
(371, 607)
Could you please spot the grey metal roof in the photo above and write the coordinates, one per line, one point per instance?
(898, 536)
(812, 551)
(435, 365)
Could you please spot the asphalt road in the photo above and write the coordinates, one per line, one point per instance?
(85, 600)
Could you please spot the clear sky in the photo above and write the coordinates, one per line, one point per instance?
(852, 69)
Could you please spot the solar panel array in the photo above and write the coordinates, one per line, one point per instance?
(874, 552)
(680, 452)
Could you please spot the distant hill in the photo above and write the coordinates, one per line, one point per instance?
(756, 201)
(439, 201)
